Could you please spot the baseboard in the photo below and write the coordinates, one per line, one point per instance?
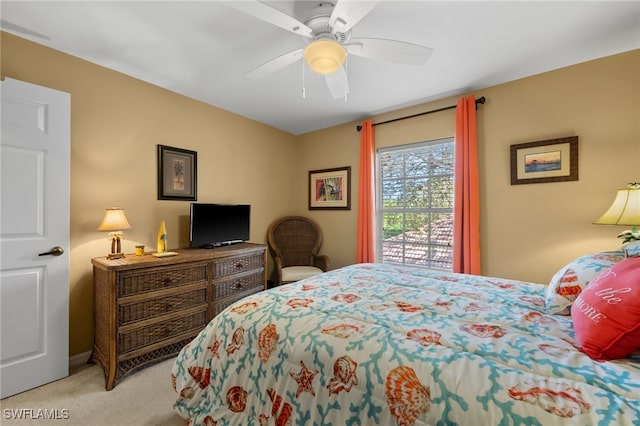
(79, 359)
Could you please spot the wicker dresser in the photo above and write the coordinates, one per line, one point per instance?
(148, 308)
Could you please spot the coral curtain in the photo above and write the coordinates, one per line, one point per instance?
(466, 223)
(366, 238)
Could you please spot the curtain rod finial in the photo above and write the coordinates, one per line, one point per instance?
(358, 127)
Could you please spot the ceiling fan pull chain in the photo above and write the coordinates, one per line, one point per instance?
(304, 94)
(346, 76)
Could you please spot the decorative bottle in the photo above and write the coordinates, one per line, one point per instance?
(162, 238)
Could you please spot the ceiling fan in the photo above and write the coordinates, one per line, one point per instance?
(327, 34)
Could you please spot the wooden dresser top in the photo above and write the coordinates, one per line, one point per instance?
(131, 261)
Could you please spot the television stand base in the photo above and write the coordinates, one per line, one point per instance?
(221, 244)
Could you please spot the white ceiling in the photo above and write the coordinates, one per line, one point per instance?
(204, 49)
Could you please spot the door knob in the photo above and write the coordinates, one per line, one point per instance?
(56, 251)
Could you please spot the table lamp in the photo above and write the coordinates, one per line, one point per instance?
(625, 210)
(114, 221)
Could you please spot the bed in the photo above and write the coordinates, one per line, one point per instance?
(375, 344)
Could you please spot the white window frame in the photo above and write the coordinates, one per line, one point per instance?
(434, 250)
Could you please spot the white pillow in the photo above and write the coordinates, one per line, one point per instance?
(571, 279)
(632, 249)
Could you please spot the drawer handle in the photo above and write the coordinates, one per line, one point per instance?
(238, 286)
(168, 281)
(239, 266)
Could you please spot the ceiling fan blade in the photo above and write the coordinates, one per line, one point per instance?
(6, 25)
(348, 13)
(275, 64)
(338, 84)
(272, 16)
(399, 52)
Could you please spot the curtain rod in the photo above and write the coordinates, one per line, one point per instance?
(480, 100)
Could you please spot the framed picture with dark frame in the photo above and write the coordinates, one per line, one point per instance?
(330, 189)
(553, 160)
(177, 174)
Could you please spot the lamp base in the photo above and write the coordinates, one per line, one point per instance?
(115, 255)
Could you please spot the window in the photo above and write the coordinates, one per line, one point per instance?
(415, 185)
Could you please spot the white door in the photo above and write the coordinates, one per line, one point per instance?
(34, 220)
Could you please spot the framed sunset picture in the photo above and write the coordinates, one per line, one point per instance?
(553, 160)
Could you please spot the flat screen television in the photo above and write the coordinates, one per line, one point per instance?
(215, 225)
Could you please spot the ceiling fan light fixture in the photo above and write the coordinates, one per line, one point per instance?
(324, 56)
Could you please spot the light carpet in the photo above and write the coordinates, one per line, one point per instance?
(144, 398)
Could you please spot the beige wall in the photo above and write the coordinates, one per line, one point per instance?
(116, 124)
(528, 231)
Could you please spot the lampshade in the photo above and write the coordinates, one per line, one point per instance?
(625, 209)
(325, 56)
(114, 220)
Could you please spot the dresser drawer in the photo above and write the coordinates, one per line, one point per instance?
(155, 306)
(140, 281)
(220, 304)
(135, 338)
(237, 284)
(235, 265)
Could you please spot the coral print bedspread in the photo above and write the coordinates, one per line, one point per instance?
(375, 344)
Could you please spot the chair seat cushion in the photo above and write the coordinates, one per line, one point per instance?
(297, 273)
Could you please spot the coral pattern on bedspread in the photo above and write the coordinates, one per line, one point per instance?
(375, 344)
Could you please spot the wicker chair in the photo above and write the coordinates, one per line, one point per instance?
(295, 241)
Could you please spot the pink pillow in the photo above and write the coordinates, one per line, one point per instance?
(606, 315)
